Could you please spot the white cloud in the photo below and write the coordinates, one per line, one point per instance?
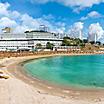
(60, 30)
(28, 21)
(14, 14)
(3, 8)
(32, 23)
(92, 14)
(78, 4)
(21, 22)
(78, 25)
(76, 29)
(20, 29)
(96, 29)
(5, 21)
(4, 11)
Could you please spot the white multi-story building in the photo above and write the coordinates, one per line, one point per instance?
(92, 37)
(28, 40)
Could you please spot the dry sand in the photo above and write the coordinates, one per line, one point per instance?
(16, 91)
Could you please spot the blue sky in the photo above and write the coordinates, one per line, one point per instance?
(60, 14)
(53, 8)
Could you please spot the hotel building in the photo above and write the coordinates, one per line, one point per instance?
(28, 40)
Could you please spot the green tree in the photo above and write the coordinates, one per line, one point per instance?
(49, 46)
(67, 41)
(38, 46)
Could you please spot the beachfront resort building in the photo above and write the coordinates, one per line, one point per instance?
(28, 40)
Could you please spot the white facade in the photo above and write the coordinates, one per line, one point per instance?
(27, 40)
(42, 35)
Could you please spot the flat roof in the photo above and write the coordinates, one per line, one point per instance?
(36, 31)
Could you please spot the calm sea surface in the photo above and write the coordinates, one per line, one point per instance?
(77, 71)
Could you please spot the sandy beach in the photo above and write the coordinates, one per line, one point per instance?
(22, 89)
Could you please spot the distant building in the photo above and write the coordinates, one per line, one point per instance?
(80, 35)
(92, 37)
(6, 30)
(43, 28)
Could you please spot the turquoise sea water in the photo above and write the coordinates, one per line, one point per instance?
(85, 71)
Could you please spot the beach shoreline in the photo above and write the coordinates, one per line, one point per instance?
(15, 70)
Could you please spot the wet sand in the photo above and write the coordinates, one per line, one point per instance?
(35, 91)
